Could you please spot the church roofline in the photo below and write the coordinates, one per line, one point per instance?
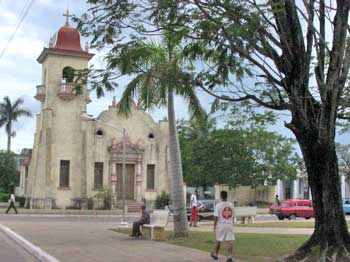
(55, 51)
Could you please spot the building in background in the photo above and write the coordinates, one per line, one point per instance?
(75, 156)
(23, 162)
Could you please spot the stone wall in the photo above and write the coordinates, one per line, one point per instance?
(243, 195)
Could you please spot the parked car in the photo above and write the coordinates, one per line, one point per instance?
(293, 208)
(346, 205)
(206, 212)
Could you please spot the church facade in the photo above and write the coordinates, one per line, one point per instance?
(75, 155)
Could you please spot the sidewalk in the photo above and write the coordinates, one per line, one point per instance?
(92, 242)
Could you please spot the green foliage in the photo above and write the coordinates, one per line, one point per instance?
(242, 115)
(105, 195)
(162, 200)
(4, 196)
(9, 113)
(8, 171)
(243, 152)
(343, 152)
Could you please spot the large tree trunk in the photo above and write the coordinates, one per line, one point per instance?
(177, 189)
(9, 136)
(330, 240)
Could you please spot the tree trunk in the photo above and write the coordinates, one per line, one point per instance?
(330, 240)
(9, 136)
(177, 189)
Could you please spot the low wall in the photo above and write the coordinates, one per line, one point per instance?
(246, 194)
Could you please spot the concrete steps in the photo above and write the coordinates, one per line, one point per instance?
(133, 206)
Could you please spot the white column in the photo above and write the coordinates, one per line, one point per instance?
(114, 183)
(138, 180)
(278, 188)
(342, 185)
(296, 188)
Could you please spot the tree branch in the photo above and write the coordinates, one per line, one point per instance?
(244, 98)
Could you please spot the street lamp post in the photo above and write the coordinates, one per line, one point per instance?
(124, 222)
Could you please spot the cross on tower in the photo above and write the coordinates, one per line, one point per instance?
(67, 15)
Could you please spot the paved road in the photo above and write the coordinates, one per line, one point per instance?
(89, 238)
(11, 252)
(93, 241)
(67, 218)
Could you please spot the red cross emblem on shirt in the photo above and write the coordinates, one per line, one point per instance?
(227, 213)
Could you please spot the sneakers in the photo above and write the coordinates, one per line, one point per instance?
(215, 257)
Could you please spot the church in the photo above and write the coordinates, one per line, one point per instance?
(76, 155)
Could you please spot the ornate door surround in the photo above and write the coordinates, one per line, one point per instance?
(134, 155)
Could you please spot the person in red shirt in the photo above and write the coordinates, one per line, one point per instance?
(194, 208)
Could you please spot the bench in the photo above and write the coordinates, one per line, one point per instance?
(245, 213)
(159, 220)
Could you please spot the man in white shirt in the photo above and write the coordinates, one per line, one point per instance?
(223, 226)
(194, 208)
(12, 201)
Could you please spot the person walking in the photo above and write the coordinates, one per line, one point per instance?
(12, 201)
(277, 201)
(223, 226)
(144, 219)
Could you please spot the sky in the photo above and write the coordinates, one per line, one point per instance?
(20, 73)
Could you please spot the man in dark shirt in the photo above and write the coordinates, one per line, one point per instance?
(145, 219)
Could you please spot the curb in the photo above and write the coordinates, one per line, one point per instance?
(37, 252)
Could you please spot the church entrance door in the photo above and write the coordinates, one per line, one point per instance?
(129, 181)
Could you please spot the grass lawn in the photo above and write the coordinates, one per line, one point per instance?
(247, 247)
(282, 224)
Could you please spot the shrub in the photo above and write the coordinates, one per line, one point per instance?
(21, 201)
(263, 204)
(4, 197)
(90, 203)
(8, 171)
(162, 200)
(105, 195)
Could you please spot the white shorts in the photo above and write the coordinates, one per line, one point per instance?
(224, 232)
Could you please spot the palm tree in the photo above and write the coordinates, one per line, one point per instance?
(9, 113)
(159, 73)
(2, 121)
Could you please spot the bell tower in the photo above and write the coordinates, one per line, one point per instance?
(60, 62)
(58, 140)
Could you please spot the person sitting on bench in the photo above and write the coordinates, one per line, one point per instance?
(145, 219)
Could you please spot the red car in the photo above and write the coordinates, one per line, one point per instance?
(293, 208)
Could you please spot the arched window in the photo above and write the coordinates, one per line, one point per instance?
(99, 132)
(151, 136)
(68, 74)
